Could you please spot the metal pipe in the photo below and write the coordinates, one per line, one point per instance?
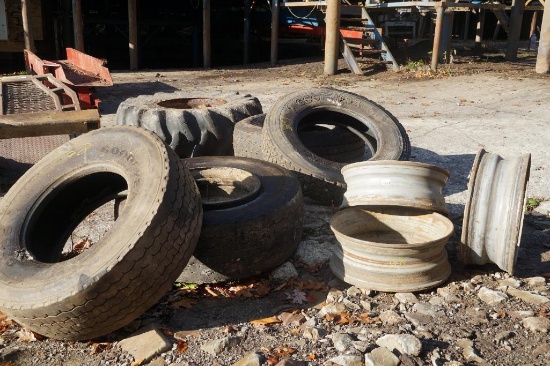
(516, 18)
(78, 26)
(206, 51)
(332, 40)
(29, 40)
(274, 31)
(543, 56)
(437, 36)
(133, 34)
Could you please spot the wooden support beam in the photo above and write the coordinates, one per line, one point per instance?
(206, 51)
(543, 56)
(516, 19)
(274, 31)
(133, 34)
(27, 30)
(48, 123)
(332, 40)
(78, 25)
(437, 36)
(479, 28)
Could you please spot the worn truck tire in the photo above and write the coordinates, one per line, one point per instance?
(128, 269)
(252, 222)
(321, 179)
(330, 142)
(195, 125)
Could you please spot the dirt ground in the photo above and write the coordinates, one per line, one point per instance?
(478, 101)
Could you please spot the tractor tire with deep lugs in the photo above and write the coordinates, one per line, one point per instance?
(321, 179)
(128, 269)
(248, 233)
(193, 125)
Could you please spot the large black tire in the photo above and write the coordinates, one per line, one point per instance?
(196, 125)
(329, 142)
(130, 268)
(321, 179)
(250, 235)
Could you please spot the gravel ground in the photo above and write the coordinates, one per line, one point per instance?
(303, 315)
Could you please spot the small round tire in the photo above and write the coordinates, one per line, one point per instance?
(197, 125)
(252, 233)
(130, 267)
(322, 179)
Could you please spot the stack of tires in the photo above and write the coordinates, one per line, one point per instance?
(186, 209)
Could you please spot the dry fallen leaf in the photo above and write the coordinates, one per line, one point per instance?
(266, 321)
(282, 352)
(137, 362)
(311, 356)
(181, 346)
(272, 360)
(99, 347)
(297, 296)
(26, 335)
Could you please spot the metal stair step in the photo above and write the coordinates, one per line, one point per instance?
(358, 42)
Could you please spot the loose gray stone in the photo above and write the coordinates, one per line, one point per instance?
(361, 346)
(381, 356)
(287, 361)
(284, 272)
(390, 317)
(419, 319)
(353, 291)
(217, 346)
(310, 323)
(536, 282)
(536, 324)
(251, 359)
(521, 314)
(404, 343)
(528, 297)
(509, 282)
(332, 309)
(334, 295)
(294, 319)
(347, 360)
(543, 349)
(146, 343)
(406, 298)
(469, 352)
(491, 297)
(437, 301)
(342, 341)
(351, 305)
(428, 309)
(314, 252)
(314, 333)
(159, 361)
(367, 305)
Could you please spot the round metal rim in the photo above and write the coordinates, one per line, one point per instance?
(411, 267)
(484, 251)
(378, 190)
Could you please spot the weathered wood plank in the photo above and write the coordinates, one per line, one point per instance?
(48, 123)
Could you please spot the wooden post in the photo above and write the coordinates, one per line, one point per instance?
(274, 31)
(533, 27)
(543, 56)
(467, 25)
(479, 28)
(78, 26)
(206, 51)
(29, 40)
(133, 34)
(516, 18)
(437, 35)
(332, 41)
(246, 35)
